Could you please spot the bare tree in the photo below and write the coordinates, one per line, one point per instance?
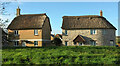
(3, 11)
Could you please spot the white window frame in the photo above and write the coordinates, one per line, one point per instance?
(93, 31)
(80, 44)
(35, 32)
(16, 32)
(23, 44)
(35, 44)
(16, 43)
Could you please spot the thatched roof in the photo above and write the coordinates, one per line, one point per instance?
(86, 22)
(30, 21)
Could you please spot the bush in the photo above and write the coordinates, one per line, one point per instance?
(61, 55)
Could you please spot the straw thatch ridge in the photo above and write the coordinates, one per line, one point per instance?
(86, 22)
(28, 21)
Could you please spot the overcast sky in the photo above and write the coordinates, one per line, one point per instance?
(56, 10)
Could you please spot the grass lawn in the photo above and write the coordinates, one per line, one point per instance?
(61, 55)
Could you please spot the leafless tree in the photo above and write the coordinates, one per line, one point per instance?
(3, 11)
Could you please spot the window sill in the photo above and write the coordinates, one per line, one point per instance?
(35, 45)
(65, 35)
(36, 35)
(92, 34)
(16, 35)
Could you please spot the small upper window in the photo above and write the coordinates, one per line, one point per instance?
(16, 32)
(35, 32)
(103, 31)
(93, 31)
(65, 32)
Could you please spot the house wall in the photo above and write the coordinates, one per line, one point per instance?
(46, 32)
(101, 39)
(25, 35)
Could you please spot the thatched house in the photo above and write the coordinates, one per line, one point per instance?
(88, 30)
(29, 30)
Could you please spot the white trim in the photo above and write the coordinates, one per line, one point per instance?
(31, 40)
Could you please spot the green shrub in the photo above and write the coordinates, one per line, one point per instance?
(61, 55)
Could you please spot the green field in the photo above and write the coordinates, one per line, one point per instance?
(61, 55)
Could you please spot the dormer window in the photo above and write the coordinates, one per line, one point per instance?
(35, 32)
(16, 32)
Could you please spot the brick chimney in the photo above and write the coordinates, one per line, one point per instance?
(101, 13)
(18, 11)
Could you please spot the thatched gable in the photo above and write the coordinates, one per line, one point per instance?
(86, 22)
(30, 21)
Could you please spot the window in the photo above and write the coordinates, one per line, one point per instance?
(111, 42)
(65, 43)
(65, 32)
(16, 43)
(80, 44)
(16, 32)
(35, 32)
(93, 43)
(35, 43)
(93, 31)
(103, 31)
(23, 43)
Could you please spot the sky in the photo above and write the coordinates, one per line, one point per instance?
(56, 10)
